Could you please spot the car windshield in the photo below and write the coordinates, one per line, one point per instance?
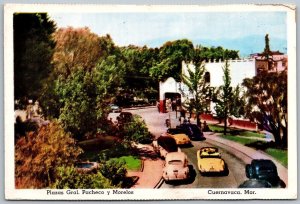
(210, 152)
(176, 162)
(175, 131)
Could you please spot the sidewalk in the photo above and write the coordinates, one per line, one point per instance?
(249, 152)
(151, 173)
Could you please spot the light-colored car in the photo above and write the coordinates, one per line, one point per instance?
(164, 145)
(86, 167)
(115, 108)
(176, 167)
(210, 161)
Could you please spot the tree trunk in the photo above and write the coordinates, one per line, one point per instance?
(225, 125)
(198, 119)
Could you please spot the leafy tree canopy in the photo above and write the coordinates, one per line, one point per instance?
(266, 96)
(33, 50)
(199, 88)
(78, 48)
(39, 153)
(171, 55)
(227, 99)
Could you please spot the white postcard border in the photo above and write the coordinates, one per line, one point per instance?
(147, 194)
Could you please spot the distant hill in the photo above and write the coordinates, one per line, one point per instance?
(245, 45)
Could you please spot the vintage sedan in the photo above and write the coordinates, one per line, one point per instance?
(180, 137)
(165, 144)
(176, 167)
(264, 169)
(210, 161)
(191, 130)
(115, 108)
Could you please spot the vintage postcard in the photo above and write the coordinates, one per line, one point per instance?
(150, 102)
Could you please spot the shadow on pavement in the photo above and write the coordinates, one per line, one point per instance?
(129, 181)
(262, 145)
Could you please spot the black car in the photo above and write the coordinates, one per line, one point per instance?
(254, 183)
(263, 170)
(174, 131)
(191, 130)
(165, 144)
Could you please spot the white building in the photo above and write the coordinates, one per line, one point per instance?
(239, 70)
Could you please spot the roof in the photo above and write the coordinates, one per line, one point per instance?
(175, 156)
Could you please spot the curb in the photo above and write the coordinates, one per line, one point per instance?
(279, 166)
(158, 185)
(138, 107)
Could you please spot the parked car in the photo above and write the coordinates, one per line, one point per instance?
(164, 145)
(263, 169)
(210, 161)
(255, 183)
(176, 167)
(191, 130)
(86, 167)
(115, 108)
(180, 137)
(125, 117)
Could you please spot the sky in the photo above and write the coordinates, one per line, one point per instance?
(244, 31)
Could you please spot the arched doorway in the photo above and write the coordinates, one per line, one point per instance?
(171, 102)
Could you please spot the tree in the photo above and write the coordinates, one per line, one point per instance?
(198, 88)
(226, 98)
(33, 50)
(266, 96)
(77, 98)
(137, 79)
(84, 96)
(171, 55)
(78, 49)
(38, 154)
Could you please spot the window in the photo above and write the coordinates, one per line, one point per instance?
(207, 77)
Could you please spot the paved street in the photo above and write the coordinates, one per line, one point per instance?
(235, 158)
(156, 124)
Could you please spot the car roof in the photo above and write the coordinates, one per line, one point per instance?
(263, 162)
(175, 156)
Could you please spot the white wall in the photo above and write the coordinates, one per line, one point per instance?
(239, 70)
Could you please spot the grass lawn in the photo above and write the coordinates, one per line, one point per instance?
(216, 128)
(92, 147)
(240, 140)
(235, 131)
(278, 154)
(132, 163)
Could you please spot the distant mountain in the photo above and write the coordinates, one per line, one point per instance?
(246, 45)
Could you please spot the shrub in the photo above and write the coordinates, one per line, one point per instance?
(115, 171)
(69, 178)
(117, 150)
(136, 131)
(39, 153)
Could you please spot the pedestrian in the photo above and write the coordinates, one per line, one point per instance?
(158, 106)
(173, 105)
(168, 124)
(182, 113)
